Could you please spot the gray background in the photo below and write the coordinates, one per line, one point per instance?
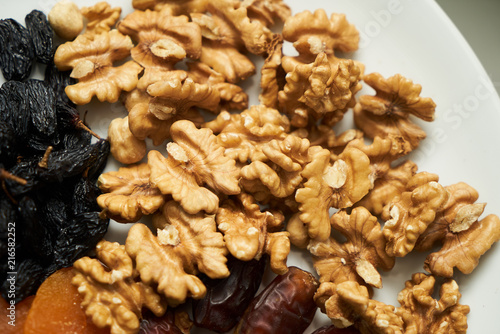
(479, 23)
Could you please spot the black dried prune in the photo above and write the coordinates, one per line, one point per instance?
(15, 111)
(76, 139)
(27, 170)
(42, 107)
(58, 80)
(285, 306)
(227, 299)
(8, 145)
(55, 214)
(8, 218)
(35, 237)
(24, 281)
(81, 236)
(102, 158)
(84, 196)
(16, 50)
(69, 162)
(41, 34)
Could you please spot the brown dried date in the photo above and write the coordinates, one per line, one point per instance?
(152, 324)
(334, 330)
(285, 306)
(227, 299)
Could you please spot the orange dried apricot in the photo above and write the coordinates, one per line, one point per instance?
(56, 308)
(14, 317)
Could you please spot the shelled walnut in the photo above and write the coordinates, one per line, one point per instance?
(250, 233)
(337, 185)
(91, 58)
(387, 114)
(356, 259)
(407, 216)
(112, 296)
(128, 194)
(195, 160)
(185, 245)
(464, 237)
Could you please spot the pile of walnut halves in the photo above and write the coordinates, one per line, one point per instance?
(252, 180)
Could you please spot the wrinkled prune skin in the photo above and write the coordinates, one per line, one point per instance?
(76, 140)
(227, 299)
(80, 236)
(8, 145)
(285, 306)
(42, 108)
(59, 80)
(331, 329)
(67, 116)
(84, 196)
(103, 152)
(16, 53)
(8, 218)
(41, 34)
(29, 275)
(14, 110)
(61, 164)
(152, 324)
(35, 237)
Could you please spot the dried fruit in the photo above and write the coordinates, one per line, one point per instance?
(42, 36)
(226, 300)
(285, 306)
(17, 52)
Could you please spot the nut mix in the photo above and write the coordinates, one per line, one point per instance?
(238, 184)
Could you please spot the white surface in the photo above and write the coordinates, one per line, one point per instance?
(416, 39)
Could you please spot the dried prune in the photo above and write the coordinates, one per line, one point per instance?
(76, 139)
(35, 236)
(58, 80)
(84, 196)
(96, 169)
(79, 237)
(8, 145)
(285, 306)
(15, 110)
(25, 280)
(17, 52)
(42, 107)
(41, 36)
(227, 299)
(331, 329)
(54, 211)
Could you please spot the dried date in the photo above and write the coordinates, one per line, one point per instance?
(17, 53)
(41, 34)
(227, 299)
(285, 306)
(331, 329)
(152, 324)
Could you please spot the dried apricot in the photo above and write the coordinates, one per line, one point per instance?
(56, 308)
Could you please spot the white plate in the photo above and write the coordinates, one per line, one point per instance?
(418, 40)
